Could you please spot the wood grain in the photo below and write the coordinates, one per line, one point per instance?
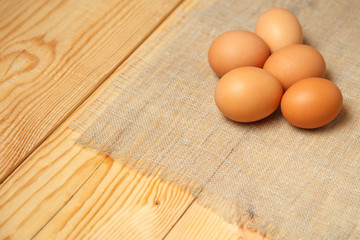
(44, 183)
(119, 203)
(64, 182)
(53, 54)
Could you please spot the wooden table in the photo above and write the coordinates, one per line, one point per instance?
(55, 58)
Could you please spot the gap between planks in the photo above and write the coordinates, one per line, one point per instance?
(100, 88)
(97, 89)
(60, 65)
(39, 148)
(126, 56)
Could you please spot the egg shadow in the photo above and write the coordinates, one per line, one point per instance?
(275, 118)
(306, 41)
(328, 72)
(268, 121)
(329, 75)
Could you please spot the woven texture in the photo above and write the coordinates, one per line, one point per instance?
(159, 117)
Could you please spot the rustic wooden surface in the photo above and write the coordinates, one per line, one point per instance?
(53, 56)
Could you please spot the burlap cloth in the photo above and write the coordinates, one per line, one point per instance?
(159, 117)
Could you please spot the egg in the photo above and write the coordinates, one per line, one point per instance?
(279, 28)
(311, 103)
(248, 94)
(295, 62)
(235, 49)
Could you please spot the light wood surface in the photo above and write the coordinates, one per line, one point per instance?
(63, 190)
(201, 223)
(53, 54)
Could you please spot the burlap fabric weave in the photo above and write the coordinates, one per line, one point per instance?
(159, 117)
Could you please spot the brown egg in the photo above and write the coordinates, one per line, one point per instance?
(236, 49)
(311, 103)
(248, 94)
(279, 28)
(295, 62)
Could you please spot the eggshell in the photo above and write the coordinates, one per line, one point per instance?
(236, 49)
(311, 103)
(279, 28)
(295, 62)
(248, 94)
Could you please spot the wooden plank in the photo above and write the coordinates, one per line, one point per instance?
(54, 54)
(119, 203)
(44, 183)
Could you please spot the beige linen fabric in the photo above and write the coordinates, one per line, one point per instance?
(159, 117)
